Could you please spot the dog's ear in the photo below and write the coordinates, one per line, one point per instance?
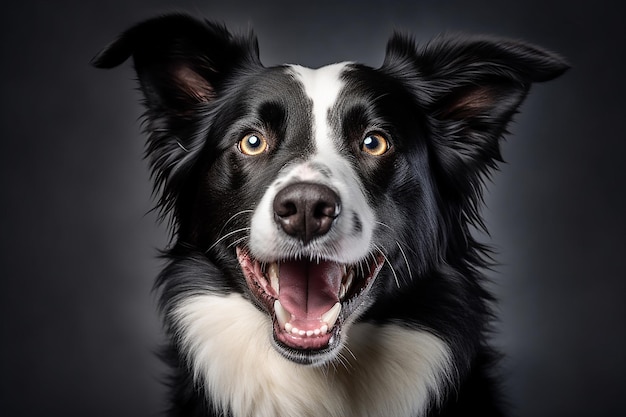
(180, 61)
(183, 65)
(469, 87)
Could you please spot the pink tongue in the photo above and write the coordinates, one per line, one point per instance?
(309, 289)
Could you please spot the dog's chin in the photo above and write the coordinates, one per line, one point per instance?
(309, 301)
(328, 351)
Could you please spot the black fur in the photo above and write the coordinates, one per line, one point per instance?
(445, 104)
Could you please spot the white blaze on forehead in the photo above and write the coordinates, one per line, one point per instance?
(322, 86)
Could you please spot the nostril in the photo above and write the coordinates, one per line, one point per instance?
(285, 208)
(306, 210)
(326, 209)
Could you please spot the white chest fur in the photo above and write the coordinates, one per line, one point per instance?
(385, 371)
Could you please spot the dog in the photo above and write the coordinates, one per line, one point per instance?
(322, 261)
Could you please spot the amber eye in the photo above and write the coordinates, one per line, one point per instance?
(253, 144)
(375, 144)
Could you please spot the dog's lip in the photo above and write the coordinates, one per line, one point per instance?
(337, 288)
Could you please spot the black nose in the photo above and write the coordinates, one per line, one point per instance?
(306, 210)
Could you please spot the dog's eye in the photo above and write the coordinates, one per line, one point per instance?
(375, 144)
(252, 144)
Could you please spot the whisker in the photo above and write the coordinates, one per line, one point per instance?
(408, 247)
(243, 229)
(325, 369)
(351, 353)
(361, 269)
(239, 213)
(236, 242)
(393, 271)
(384, 224)
(343, 361)
(406, 261)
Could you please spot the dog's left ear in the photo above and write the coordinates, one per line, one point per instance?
(469, 87)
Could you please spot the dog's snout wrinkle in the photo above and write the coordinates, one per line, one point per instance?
(306, 210)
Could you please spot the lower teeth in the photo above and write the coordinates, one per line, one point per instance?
(328, 320)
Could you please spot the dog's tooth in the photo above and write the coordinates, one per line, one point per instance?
(295, 330)
(324, 329)
(330, 317)
(342, 292)
(349, 279)
(272, 273)
(288, 327)
(282, 315)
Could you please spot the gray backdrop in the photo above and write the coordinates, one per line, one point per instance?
(78, 322)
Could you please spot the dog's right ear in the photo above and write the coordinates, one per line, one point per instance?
(180, 61)
(182, 64)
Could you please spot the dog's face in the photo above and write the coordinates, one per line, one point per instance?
(307, 178)
(322, 193)
(320, 181)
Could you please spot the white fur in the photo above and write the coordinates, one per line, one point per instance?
(384, 371)
(322, 86)
(341, 244)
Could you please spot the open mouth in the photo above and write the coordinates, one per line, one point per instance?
(308, 300)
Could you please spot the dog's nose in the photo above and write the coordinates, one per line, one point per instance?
(306, 210)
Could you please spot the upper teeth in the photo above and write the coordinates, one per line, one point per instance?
(327, 321)
(330, 317)
(346, 284)
(272, 273)
(282, 315)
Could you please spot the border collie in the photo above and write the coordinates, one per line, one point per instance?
(322, 261)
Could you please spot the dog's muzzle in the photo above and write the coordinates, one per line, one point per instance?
(309, 294)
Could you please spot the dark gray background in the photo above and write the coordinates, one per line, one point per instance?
(77, 258)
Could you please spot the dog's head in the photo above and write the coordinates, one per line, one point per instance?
(319, 191)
